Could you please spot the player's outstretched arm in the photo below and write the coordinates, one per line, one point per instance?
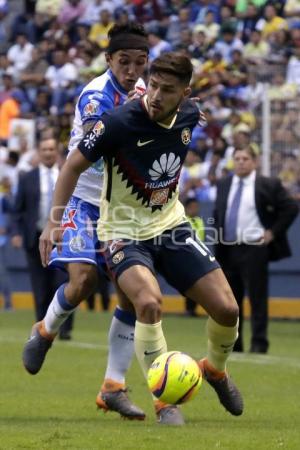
(65, 185)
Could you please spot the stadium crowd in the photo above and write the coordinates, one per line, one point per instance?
(51, 49)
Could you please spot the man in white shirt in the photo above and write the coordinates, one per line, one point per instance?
(20, 53)
(60, 77)
(252, 215)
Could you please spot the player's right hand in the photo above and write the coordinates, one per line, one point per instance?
(52, 235)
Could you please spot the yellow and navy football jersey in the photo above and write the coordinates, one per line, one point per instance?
(143, 160)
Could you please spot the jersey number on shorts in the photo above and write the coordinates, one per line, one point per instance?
(200, 247)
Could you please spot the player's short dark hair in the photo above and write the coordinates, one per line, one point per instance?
(175, 64)
(130, 27)
(249, 149)
(127, 36)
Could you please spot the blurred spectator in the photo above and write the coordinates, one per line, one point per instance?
(200, 44)
(293, 69)
(253, 91)
(214, 64)
(257, 49)
(280, 89)
(33, 76)
(224, 40)
(100, 29)
(32, 206)
(71, 11)
(49, 7)
(9, 109)
(9, 170)
(241, 6)
(157, 44)
(272, 22)
(210, 26)
(5, 25)
(5, 210)
(20, 53)
(60, 77)
(279, 48)
(93, 9)
(177, 25)
(212, 127)
(7, 85)
(228, 43)
(249, 22)
(199, 9)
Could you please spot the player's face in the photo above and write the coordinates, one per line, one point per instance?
(244, 164)
(128, 66)
(48, 152)
(165, 93)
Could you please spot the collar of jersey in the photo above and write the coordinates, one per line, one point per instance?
(168, 127)
(116, 84)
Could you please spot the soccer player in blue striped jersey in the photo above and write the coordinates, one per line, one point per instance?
(143, 228)
(127, 57)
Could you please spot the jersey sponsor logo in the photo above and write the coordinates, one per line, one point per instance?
(167, 165)
(159, 197)
(118, 257)
(186, 136)
(91, 108)
(141, 144)
(77, 244)
(68, 220)
(160, 184)
(147, 353)
(99, 128)
(89, 140)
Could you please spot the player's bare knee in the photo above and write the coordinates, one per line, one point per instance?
(148, 309)
(227, 312)
(230, 315)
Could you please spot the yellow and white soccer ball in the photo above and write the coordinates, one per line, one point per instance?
(174, 377)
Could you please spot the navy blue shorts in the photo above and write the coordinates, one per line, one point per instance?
(177, 254)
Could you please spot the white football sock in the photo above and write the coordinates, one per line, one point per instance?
(121, 345)
(58, 311)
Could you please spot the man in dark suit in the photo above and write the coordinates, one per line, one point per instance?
(252, 215)
(32, 206)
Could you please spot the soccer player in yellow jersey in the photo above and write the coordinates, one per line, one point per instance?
(143, 228)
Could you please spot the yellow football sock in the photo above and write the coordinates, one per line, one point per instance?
(149, 342)
(220, 343)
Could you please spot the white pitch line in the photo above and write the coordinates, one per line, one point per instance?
(236, 357)
(265, 359)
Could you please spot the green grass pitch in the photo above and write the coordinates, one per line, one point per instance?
(56, 409)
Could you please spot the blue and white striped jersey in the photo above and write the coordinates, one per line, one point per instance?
(101, 94)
